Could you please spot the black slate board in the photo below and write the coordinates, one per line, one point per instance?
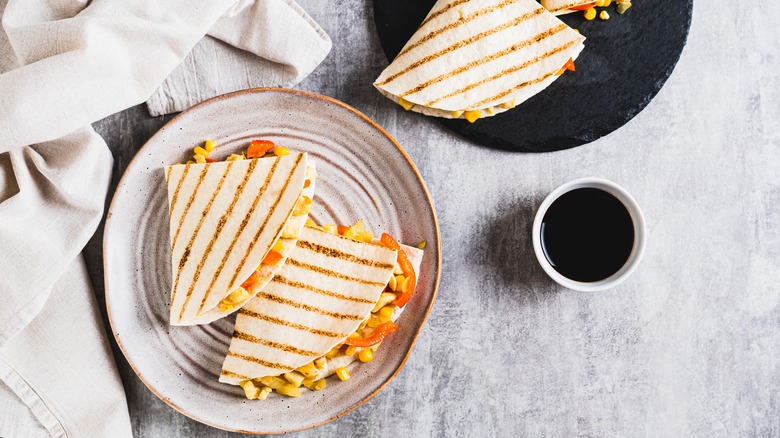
(625, 62)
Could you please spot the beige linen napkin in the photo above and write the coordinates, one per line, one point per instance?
(63, 65)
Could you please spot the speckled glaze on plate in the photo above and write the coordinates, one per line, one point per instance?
(363, 174)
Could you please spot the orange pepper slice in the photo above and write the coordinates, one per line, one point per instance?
(251, 281)
(406, 266)
(272, 258)
(258, 148)
(342, 229)
(584, 7)
(381, 332)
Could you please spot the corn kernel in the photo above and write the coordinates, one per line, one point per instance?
(393, 283)
(309, 370)
(251, 391)
(289, 391)
(384, 299)
(607, 3)
(234, 157)
(350, 350)
(399, 280)
(472, 115)
(489, 110)
(294, 377)
(622, 7)
(273, 382)
(405, 103)
(315, 385)
(209, 145)
(604, 15)
(456, 114)
(278, 246)
(226, 307)
(320, 362)
(342, 373)
(508, 104)
(310, 222)
(599, 3)
(330, 228)
(374, 321)
(200, 159)
(303, 206)
(281, 151)
(590, 14)
(200, 151)
(422, 244)
(365, 236)
(350, 233)
(386, 313)
(366, 355)
(264, 393)
(333, 352)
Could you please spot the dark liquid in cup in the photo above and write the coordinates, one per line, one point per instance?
(587, 234)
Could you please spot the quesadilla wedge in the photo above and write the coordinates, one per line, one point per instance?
(472, 59)
(322, 295)
(225, 218)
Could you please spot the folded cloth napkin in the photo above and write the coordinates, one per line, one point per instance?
(63, 65)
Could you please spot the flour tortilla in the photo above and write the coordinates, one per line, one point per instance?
(224, 218)
(560, 7)
(415, 256)
(326, 289)
(265, 273)
(485, 55)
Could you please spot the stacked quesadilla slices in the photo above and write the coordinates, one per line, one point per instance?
(326, 289)
(471, 59)
(225, 218)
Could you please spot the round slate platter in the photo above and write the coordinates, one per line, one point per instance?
(625, 62)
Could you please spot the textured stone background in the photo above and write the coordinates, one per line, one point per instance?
(688, 346)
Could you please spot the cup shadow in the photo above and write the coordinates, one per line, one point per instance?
(508, 251)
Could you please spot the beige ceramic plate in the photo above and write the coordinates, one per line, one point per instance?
(363, 174)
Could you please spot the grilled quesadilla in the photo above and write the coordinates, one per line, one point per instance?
(327, 288)
(471, 59)
(225, 218)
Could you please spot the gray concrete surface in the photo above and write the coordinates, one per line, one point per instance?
(688, 346)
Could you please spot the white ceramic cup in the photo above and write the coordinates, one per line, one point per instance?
(639, 234)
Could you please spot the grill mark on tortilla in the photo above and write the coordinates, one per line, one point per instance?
(215, 235)
(292, 262)
(345, 238)
(168, 174)
(334, 253)
(178, 187)
(511, 49)
(262, 362)
(283, 280)
(267, 218)
(297, 305)
(441, 11)
(240, 230)
(279, 346)
(201, 177)
(505, 72)
(463, 43)
(294, 325)
(228, 373)
(569, 6)
(515, 88)
(453, 25)
(188, 248)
